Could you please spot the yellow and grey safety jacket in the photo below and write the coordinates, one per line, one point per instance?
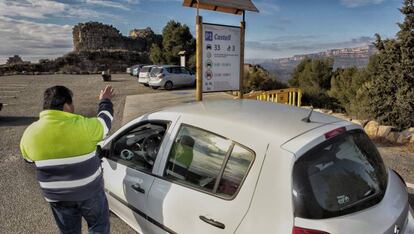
(62, 146)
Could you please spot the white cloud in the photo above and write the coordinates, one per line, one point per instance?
(41, 9)
(357, 3)
(267, 7)
(111, 4)
(33, 40)
(23, 32)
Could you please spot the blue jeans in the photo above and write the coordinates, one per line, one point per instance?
(68, 215)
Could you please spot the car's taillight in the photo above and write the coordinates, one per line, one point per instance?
(299, 230)
(335, 132)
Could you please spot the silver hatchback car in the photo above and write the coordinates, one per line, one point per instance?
(170, 76)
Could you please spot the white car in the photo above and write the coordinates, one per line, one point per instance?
(144, 74)
(170, 76)
(251, 167)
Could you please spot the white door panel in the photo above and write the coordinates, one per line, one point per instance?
(118, 184)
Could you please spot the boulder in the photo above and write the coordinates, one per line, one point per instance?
(383, 131)
(392, 137)
(405, 136)
(372, 128)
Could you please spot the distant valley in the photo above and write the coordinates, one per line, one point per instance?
(283, 68)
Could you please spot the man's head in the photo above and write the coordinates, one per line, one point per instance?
(58, 98)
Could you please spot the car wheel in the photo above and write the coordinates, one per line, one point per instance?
(146, 85)
(154, 87)
(168, 85)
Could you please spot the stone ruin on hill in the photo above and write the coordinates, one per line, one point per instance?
(96, 47)
(92, 36)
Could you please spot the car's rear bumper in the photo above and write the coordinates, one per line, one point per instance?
(409, 227)
(143, 80)
(156, 82)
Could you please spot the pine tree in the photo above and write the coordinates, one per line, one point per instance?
(391, 91)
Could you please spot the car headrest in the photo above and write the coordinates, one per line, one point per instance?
(187, 141)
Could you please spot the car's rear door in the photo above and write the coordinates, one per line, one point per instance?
(340, 184)
(205, 185)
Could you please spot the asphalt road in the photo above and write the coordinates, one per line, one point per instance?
(22, 207)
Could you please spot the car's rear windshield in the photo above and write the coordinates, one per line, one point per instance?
(342, 175)
(155, 71)
(146, 69)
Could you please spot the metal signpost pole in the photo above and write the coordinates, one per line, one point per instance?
(242, 34)
(199, 57)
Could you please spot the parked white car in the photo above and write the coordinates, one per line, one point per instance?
(130, 70)
(251, 167)
(170, 76)
(144, 74)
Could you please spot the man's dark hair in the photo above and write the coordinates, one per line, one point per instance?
(55, 98)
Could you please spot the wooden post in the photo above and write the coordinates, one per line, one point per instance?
(242, 35)
(199, 58)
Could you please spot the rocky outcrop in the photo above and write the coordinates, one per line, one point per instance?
(92, 36)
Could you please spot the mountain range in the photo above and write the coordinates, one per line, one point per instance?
(283, 68)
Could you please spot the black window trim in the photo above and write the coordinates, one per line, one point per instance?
(167, 122)
(220, 175)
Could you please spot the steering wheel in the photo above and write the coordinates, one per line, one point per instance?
(150, 147)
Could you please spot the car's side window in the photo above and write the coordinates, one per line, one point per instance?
(184, 71)
(138, 147)
(236, 168)
(196, 158)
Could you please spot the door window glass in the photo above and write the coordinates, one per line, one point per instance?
(196, 158)
(138, 148)
(184, 71)
(236, 168)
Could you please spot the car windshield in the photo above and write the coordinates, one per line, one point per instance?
(343, 175)
(146, 69)
(155, 71)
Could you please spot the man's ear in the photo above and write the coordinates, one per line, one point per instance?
(68, 108)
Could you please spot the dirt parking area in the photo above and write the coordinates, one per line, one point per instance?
(22, 207)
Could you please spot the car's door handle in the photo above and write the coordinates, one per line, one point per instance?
(212, 222)
(138, 188)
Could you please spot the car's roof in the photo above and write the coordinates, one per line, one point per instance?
(167, 66)
(280, 119)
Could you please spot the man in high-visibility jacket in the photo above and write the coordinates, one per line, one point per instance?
(62, 146)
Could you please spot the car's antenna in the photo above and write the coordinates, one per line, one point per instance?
(307, 119)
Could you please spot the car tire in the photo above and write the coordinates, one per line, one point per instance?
(146, 85)
(154, 87)
(168, 85)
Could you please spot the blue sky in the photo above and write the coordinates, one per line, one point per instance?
(42, 29)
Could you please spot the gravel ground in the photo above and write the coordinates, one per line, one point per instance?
(22, 207)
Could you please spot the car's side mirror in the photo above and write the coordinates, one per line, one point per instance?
(101, 152)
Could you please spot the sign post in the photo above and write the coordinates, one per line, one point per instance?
(242, 37)
(220, 48)
(199, 56)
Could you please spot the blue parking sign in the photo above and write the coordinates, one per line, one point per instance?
(209, 36)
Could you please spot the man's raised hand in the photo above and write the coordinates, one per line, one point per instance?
(107, 93)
